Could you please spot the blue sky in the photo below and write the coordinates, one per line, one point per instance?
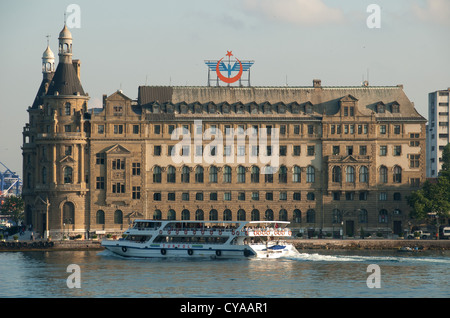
(127, 44)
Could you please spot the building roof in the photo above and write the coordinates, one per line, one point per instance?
(65, 81)
(324, 100)
(42, 90)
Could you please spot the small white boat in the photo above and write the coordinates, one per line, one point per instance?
(213, 239)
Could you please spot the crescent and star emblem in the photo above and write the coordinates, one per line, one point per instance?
(229, 69)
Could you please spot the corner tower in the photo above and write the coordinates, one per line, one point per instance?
(55, 143)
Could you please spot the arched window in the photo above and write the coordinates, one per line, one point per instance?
(363, 218)
(100, 217)
(310, 174)
(227, 215)
(171, 215)
(227, 174)
(282, 175)
(310, 216)
(255, 215)
(68, 213)
(397, 176)
(268, 216)
(118, 217)
(255, 174)
(297, 175)
(383, 174)
(199, 174)
(185, 174)
(171, 174)
(199, 215)
(383, 216)
(241, 174)
(283, 216)
(213, 174)
(350, 174)
(337, 216)
(241, 215)
(297, 216)
(363, 174)
(336, 174)
(185, 215)
(268, 174)
(68, 171)
(157, 174)
(213, 215)
(157, 215)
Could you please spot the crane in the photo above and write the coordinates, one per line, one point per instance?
(10, 182)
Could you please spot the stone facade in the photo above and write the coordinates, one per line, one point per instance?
(347, 158)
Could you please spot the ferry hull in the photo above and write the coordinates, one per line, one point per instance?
(180, 252)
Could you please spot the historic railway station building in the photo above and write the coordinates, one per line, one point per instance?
(347, 157)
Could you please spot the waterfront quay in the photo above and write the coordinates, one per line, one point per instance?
(300, 244)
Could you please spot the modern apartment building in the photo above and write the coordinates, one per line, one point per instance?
(438, 134)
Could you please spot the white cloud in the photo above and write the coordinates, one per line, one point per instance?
(437, 11)
(301, 12)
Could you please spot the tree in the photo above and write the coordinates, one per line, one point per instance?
(445, 170)
(13, 206)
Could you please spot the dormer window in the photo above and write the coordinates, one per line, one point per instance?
(381, 108)
(308, 108)
(395, 108)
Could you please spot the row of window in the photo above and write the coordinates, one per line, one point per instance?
(269, 196)
(255, 175)
(255, 215)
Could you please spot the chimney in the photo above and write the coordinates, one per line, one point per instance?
(76, 65)
(317, 83)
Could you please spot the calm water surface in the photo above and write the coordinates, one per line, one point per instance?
(309, 274)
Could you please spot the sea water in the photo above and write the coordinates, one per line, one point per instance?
(330, 274)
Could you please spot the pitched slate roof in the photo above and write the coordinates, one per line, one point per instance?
(65, 81)
(324, 100)
(42, 90)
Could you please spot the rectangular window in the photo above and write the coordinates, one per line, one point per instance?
(336, 150)
(213, 196)
(363, 150)
(136, 169)
(397, 129)
(135, 129)
(310, 129)
(255, 196)
(383, 196)
(137, 193)
(100, 184)
(383, 150)
(414, 161)
(118, 164)
(157, 129)
(397, 150)
(227, 196)
(296, 151)
(283, 151)
(297, 196)
(170, 129)
(171, 196)
(383, 129)
(100, 158)
(283, 196)
(118, 129)
(241, 196)
(199, 196)
(101, 129)
(269, 196)
(185, 196)
(282, 129)
(118, 188)
(157, 151)
(296, 129)
(310, 151)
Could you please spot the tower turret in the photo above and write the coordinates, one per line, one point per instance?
(65, 46)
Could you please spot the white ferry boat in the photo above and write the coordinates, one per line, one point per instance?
(213, 239)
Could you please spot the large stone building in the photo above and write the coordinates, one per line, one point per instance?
(346, 157)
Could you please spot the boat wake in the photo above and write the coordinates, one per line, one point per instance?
(316, 257)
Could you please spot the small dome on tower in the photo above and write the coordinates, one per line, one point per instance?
(48, 54)
(65, 33)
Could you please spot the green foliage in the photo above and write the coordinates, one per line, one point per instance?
(13, 206)
(433, 197)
